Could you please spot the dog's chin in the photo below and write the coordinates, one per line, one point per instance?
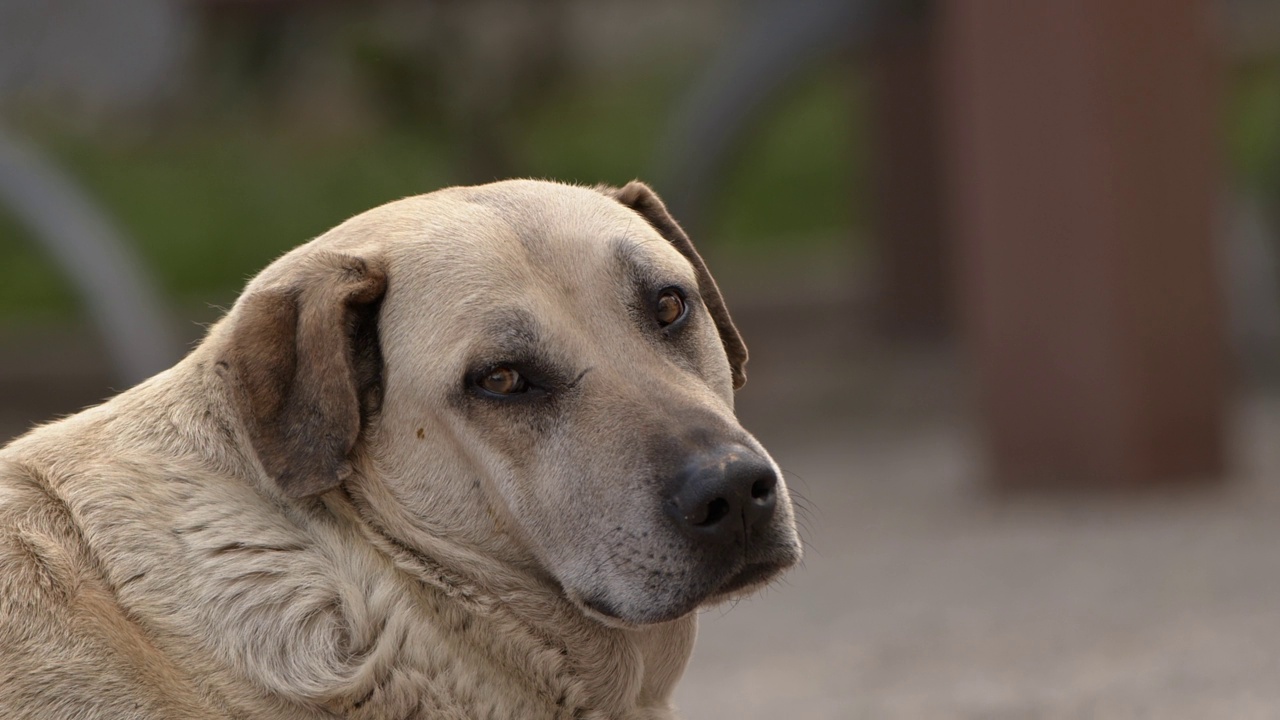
(604, 611)
(744, 581)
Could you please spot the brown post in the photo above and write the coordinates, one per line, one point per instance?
(1083, 170)
(915, 266)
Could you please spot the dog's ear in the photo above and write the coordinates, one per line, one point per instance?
(642, 199)
(304, 365)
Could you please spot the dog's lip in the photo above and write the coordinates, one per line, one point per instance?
(751, 576)
(766, 560)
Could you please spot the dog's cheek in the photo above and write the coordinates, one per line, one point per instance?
(514, 437)
(514, 431)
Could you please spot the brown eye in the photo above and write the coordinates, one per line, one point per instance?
(503, 381)
(670, 307)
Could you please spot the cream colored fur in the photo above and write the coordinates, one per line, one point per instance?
(150, 567)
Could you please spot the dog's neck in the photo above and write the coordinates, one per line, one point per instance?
(581, 663)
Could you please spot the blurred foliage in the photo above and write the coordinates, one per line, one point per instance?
(1254, 127)
(213, 199)
(214, 195)
(30, 291)
(804, 178)
(210, 205)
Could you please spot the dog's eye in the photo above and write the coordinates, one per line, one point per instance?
(670, 307)
(503, 381)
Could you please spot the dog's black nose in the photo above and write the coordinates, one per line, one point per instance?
(725, 494)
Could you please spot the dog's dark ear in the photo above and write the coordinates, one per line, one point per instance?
(641, 198)
(304, 366)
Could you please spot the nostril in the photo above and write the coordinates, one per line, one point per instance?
(712, 513)
(762, 489)
(724, 495)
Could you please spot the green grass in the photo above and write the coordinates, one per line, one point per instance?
(802, 178)
(210, 202)
(1253, 127)
(30, 290)
(209, 208)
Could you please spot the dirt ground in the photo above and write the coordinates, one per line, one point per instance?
(923, 596)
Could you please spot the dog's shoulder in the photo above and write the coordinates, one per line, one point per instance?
(39, 560)
(67, 647)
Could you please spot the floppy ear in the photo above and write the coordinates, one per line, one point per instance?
(305, 368)
(642, 199)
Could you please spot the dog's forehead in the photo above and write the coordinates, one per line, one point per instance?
(553, 222)
(518, 232)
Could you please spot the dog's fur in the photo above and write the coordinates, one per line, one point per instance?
(316, 515)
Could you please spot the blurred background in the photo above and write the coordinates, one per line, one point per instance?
(1008, 271)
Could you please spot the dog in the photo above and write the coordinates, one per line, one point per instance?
(471, 454)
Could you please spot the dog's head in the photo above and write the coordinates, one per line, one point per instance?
(553, 363)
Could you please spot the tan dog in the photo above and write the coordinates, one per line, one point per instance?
(468, 455)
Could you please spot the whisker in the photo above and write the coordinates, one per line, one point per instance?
(806, 511)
